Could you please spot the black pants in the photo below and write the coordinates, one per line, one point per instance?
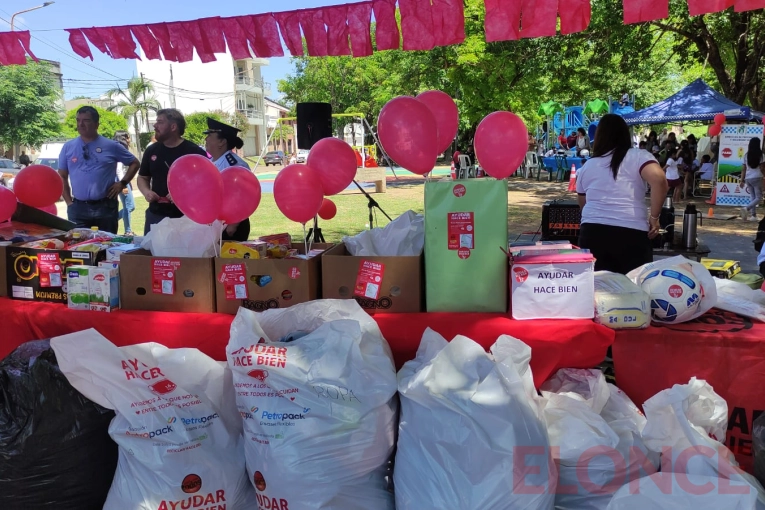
(241, 234)
(762, 269)
(616, 249)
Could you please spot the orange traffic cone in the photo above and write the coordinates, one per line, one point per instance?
(572, 179)
(713, 199)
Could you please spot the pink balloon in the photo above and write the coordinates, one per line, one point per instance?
(298, 193)
(408, 133)
(714, 130)
(8, 204)
(720, 119)
(50, 209)
(241, 190)
(335, 163)
(196, 187)
(38, 186)
(501, 141)
(328, 209)
(444, 109)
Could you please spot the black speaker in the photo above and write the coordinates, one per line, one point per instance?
(314, 122)
(561, 220)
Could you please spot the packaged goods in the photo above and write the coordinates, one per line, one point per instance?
(619, 303)
(78, 295)
(244, 250)
(278, 245)
(104, 288)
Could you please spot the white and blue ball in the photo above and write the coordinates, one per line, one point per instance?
(675, 294)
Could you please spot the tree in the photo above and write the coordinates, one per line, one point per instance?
(108, 123)
(196, 124)
(134, 103)
(28, 105)
(280, 134)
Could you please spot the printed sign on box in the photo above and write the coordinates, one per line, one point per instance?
(560, 286)
(461, 230)
(369, 279)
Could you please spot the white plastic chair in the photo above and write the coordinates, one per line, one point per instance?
(531, 163)
(464, 168)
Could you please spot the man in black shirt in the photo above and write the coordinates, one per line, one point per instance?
(156, 162)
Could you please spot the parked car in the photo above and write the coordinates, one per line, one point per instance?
(302, 155)
(9, 170)
(49, 153)
(51, 162)
(275, 158)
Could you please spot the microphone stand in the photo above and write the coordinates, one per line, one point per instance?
(372, 203)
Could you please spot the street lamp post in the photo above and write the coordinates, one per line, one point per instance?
(46, 4)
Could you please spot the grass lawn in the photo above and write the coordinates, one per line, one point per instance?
(352, 212)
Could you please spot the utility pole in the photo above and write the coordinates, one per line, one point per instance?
(172, 89)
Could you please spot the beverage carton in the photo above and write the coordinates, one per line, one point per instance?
(104, 284)
(78, 296)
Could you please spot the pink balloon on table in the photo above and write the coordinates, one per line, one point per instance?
(8, 204)
(50, 209)
(241, 190)
(334, 162)
(298, 193)
(196, 187)
(501, 141)
(328, 209)
(444, 109)
(38, 186)
(720, 119)
(714, 130)
(408, 133)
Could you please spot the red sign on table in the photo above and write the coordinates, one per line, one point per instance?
(49, 269)
(461, 230)
(163, 275)
(368, 279)
(234, 279)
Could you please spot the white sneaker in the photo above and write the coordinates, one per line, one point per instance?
(753, 218)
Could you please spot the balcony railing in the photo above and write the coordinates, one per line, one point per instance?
(251, 113)
(243, 79)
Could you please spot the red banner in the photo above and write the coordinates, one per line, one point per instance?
(359, 27)
(448, 22)
(698, 7)
(193, 31)
(539, 18)
(12, 48)
(95, 39)
(502, 20)
(289, 26)
(748, 5)
(147, 41)
(336, 18)
(212, 35)
(416, 25)
(78, 43)
(182, 42)
(575, 16)
(162, 34)
(267, 43)
(312, 23)
(235, 38)
(637, 11)
(386, 27)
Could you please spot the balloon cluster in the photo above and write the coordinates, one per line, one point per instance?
(716, 128)
(415, 130)
(204, 194)
(36, 185)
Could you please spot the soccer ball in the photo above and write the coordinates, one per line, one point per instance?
(675, 294)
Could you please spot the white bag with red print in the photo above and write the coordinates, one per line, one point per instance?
(179, 436)
(315, 385)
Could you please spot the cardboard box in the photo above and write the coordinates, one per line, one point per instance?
(104, 287)
(23, 272)
(400, 289)
(292, 281)
(181, 284)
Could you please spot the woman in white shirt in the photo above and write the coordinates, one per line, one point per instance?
(611, 185)
(672, 168)
(582, 141)
(751, 174)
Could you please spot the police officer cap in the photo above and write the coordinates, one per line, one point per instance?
(228, 133)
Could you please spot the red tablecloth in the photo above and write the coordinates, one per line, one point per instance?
(725, 349)
(555, 343)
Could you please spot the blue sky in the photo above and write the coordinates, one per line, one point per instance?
(83, 77)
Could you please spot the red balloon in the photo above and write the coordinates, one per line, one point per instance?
(242, 191)
(196, 187)
(714, 130)
(328, 209)
(335, 164)
(8, 204)
(444, 109)
(298, 193)
(408, 133)
(501, 141)
(50, 209)
(720, 119)
(38, 186)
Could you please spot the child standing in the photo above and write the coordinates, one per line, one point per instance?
(671, 167)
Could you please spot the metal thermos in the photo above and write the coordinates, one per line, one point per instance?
(666, 223)
(690, 219)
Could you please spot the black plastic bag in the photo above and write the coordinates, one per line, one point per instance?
(55, 449)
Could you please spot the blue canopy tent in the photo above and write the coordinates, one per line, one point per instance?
(696, 102)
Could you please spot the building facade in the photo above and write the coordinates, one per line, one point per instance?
(226, 84)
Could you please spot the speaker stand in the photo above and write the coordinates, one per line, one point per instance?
(315, 231)
(372, 203)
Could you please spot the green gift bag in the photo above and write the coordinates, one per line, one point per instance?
(465, 233)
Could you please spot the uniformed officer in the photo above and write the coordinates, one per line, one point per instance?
(220, 141)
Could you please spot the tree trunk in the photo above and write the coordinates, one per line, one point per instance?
(137, 137)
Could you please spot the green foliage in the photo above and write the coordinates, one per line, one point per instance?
(28, 109)
(145, 139)
(196, 123)
(135, 103)
(108, 123)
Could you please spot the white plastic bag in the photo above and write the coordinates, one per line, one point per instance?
(179, 436)
(709, 294)
(596, 430)
(182, 237)
(318, 408)
(404, 236)
(471, 432)
(687, 425)
(739, 298)
(619, 303)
